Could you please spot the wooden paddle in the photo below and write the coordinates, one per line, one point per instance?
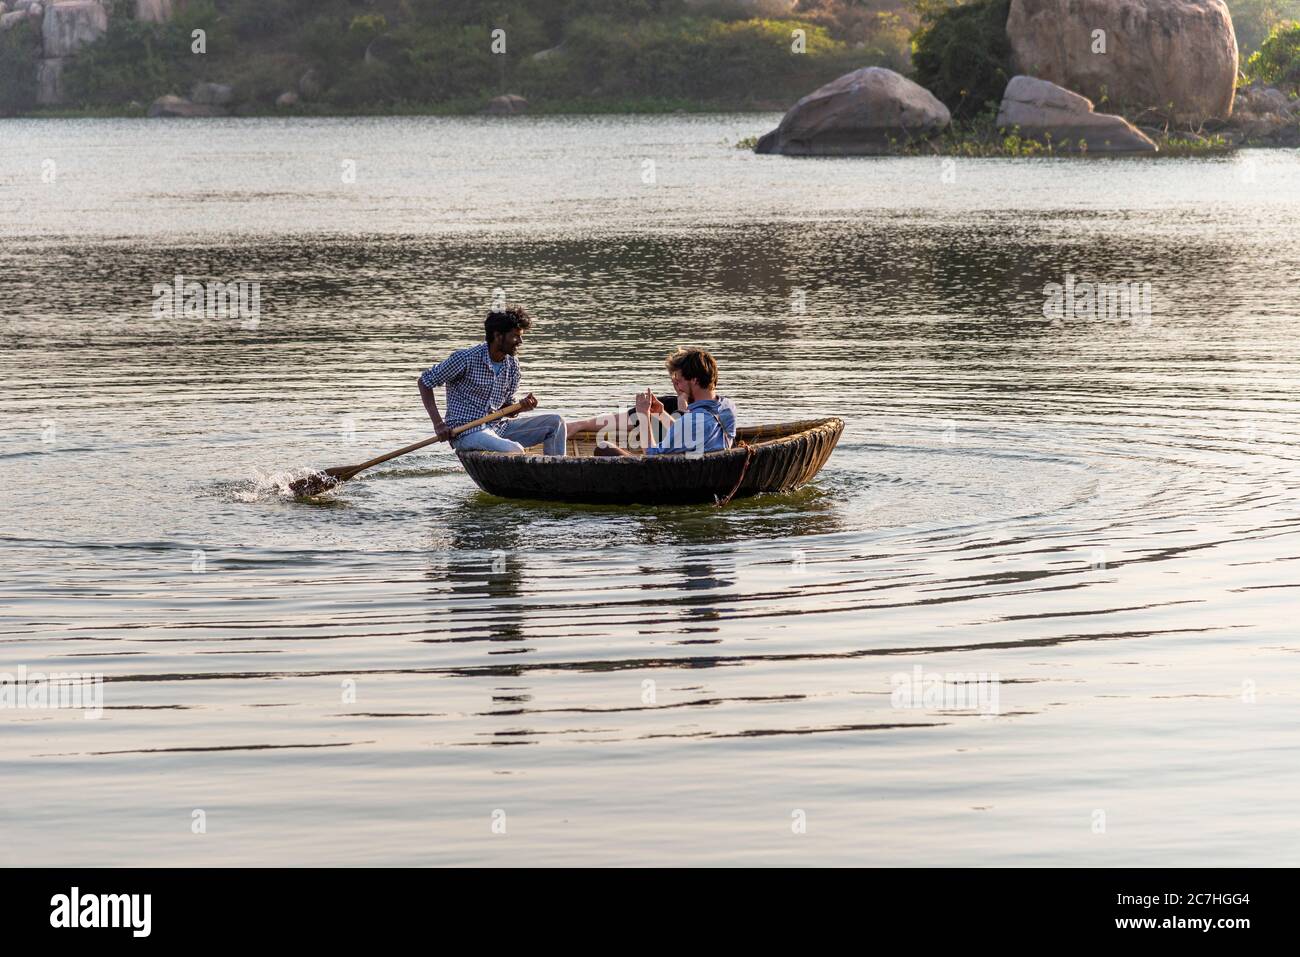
(323, 481)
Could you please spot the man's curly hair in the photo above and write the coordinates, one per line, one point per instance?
(500, 321)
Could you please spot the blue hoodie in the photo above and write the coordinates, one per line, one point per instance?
(697, 432)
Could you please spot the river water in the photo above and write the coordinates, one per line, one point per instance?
(1092, 521)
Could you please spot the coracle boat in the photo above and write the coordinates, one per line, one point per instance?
(774, 458)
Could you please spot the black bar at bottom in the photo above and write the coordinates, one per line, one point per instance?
(297, 907)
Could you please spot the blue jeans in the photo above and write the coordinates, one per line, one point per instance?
(515, 435)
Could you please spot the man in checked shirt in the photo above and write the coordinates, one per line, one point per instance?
(482, 379)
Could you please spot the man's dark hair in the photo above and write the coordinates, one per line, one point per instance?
(511, 317)
(695, 364)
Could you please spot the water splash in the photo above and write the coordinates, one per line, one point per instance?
(262, 486)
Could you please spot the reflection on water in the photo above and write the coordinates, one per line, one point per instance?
(1102, 515)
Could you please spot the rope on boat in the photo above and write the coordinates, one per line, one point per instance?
(749, 456)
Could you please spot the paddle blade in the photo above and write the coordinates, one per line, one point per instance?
(312, 485)
(320, 482)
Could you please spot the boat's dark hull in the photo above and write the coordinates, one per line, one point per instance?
(784, 458)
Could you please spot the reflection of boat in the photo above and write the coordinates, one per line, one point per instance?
(779, 458)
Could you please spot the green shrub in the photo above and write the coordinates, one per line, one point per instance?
(142, 61)
(255, 20)
(1277, 61)
(261, 77)
(1254, 20)
(736, 61)
(129, 62)
(365, 28)
(962, 55)
(436, 54)
(20, 48)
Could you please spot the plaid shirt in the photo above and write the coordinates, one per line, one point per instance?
(473, 389)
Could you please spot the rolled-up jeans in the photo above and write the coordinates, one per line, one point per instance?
(515, 435)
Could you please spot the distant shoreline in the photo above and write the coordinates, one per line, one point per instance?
(970, 141)
(556, 108)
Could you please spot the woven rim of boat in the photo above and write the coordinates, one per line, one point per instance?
(786, 455)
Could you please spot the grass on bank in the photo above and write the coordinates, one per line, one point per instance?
(982, 138)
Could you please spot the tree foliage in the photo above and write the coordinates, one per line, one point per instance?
(19, 50)
(962, 54)
(1277, 61)
(413, 54)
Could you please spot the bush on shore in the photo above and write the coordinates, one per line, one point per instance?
(19, 49)
(141, 61)
(1277, 61)
(404, 55)
(962, 55)
(1254, 20)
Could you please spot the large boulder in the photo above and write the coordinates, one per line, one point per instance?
(179, 106)
(505, 105)
(153, 11)
(862, 113)
(548, 54)
(1044, 111)
(1262, 99)
(1176, 56)
(382, 49)
(309, 85)
(1263, 115)
(70, 25)
(212, 94)
(1257, 127)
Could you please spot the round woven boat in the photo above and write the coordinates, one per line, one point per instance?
(784, 457)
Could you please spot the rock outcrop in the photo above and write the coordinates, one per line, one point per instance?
(212, 94)
(1264, 99)
(70, 25)
(1175, 56)
(1045, 112)
(32, 8)
(862, 113)
(309, 85)
(549, 53)
(153, 11)
(177, 106)
(1264, 116)
(503, 105)
(65, 27)
(49, 81)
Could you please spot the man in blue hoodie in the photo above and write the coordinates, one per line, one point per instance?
(708, 423)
